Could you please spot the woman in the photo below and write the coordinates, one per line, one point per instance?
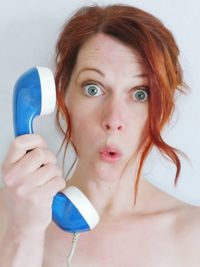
(117, 71)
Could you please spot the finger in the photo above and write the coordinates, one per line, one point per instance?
(34, 159)
(40, 195)
(21, 145)
(26, 167)
(51, 188)
(43, 175)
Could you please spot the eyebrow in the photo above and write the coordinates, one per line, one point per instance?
(91, 69)
(140, 75)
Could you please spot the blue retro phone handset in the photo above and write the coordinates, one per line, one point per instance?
(34, 95)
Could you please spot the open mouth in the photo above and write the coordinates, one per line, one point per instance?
(112, 154)
(109, 154)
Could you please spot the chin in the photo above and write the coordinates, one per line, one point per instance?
(107, 172)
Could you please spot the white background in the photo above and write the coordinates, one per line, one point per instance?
(28, 34)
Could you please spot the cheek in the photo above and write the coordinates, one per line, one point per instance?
(144, 115)
(138, 119)
(137, 127)
(83, 129)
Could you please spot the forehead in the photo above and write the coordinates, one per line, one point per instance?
(104, 50)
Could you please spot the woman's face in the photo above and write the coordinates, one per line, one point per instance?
(107, 100)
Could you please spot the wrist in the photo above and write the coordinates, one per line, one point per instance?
(26, 233)
(20, 247)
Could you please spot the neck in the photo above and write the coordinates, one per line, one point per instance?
(115, 198)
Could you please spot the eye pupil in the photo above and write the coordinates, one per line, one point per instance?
(140, 95)
(92, 90)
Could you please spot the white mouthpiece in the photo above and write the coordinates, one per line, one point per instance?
(48, 90)
(82, 203)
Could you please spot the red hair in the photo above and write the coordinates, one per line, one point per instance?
(155, 44)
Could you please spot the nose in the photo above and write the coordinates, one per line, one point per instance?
(113, 127)
(112, 118)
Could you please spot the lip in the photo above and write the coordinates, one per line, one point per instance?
(110, 154)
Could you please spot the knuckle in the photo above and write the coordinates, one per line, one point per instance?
(61, 182)
(23, 140)
(33, 199)
(17, 142)
(43, 155)
(39, 153)
(54, 169)
(58, 171)
(20, 191)
(20, 141)
(50, 156)
(51, 167)
(39, 139)
(53, 157)
(8, 178)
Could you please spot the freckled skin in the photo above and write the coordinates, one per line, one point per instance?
(116, 108)
(159, 231)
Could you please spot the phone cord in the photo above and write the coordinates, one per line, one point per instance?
(73, 247)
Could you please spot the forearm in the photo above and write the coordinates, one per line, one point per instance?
(20, 250)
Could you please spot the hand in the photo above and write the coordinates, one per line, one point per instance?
(31, 179)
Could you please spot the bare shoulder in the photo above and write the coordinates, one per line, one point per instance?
(187, 231)
(3, 216)
(188, 219)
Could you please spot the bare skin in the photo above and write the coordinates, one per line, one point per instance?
(169, 238)
(158, 231)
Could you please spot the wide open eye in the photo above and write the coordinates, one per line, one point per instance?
(141, 95)
(92, 90)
